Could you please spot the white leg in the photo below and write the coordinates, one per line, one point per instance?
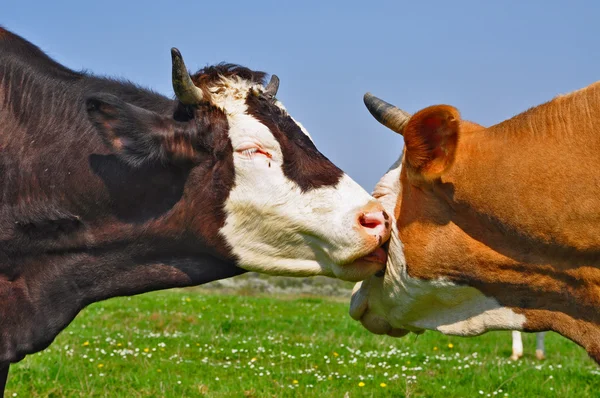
(517, 345)
(540, 352)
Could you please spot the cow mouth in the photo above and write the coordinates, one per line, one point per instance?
(378, 255)
(363, 267)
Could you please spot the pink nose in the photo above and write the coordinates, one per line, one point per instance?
(376, 223)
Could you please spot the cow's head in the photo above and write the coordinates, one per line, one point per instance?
(258, 192)
(473, 247)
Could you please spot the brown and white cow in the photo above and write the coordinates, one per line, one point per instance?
(108, 189)
(495, 228)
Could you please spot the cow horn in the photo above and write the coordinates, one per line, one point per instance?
(185, 89)
(386, 114)
(273, 86)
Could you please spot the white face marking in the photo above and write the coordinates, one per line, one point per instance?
(398, 301)
(271, 225)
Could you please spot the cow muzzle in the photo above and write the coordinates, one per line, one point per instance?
(374, 323)
(375, 226)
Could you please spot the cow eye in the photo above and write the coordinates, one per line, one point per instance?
(252, 152)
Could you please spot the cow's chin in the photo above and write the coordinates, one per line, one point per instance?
(362, 268)
(353, 271)
(373, 322)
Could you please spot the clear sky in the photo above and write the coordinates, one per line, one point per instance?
(491, 60)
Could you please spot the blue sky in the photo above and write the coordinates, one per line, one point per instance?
(491, 60)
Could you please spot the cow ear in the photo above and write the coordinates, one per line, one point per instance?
(138, 135)
(430, 137)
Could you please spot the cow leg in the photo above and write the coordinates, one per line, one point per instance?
(3, 377)
(540, 352)
(517, 345)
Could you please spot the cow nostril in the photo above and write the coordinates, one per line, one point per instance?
(368, 221)
(372, 221)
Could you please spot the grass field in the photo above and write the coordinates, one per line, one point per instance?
(192, 343)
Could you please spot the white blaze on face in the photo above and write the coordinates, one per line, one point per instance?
(397, 301)
(271, 225)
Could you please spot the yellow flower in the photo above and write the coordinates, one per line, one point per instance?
(146, 349)
(435, 348)
(295, 381)
(335, 354)
(382, 385)
(188, 299)
(119, 344)
(86, 343)
(361, 384)
(158, 370)
(253, 359)
(450, 345)
(100, 365)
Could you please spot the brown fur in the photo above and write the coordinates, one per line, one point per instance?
(516, 214)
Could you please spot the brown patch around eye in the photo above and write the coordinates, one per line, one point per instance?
(302, 161)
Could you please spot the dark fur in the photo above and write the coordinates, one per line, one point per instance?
(81, 221)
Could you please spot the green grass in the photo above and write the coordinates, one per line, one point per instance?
(190, 343)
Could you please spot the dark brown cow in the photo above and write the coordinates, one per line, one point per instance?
(496, 228)
(108, 189)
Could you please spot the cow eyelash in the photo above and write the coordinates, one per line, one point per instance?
(249, 152)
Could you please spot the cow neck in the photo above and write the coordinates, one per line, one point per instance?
(45, 282)
(46, 292)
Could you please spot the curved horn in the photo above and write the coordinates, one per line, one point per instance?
(185, 90)
(386, 114)
(273, 86)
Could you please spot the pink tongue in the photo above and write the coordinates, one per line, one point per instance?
(378, 255)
